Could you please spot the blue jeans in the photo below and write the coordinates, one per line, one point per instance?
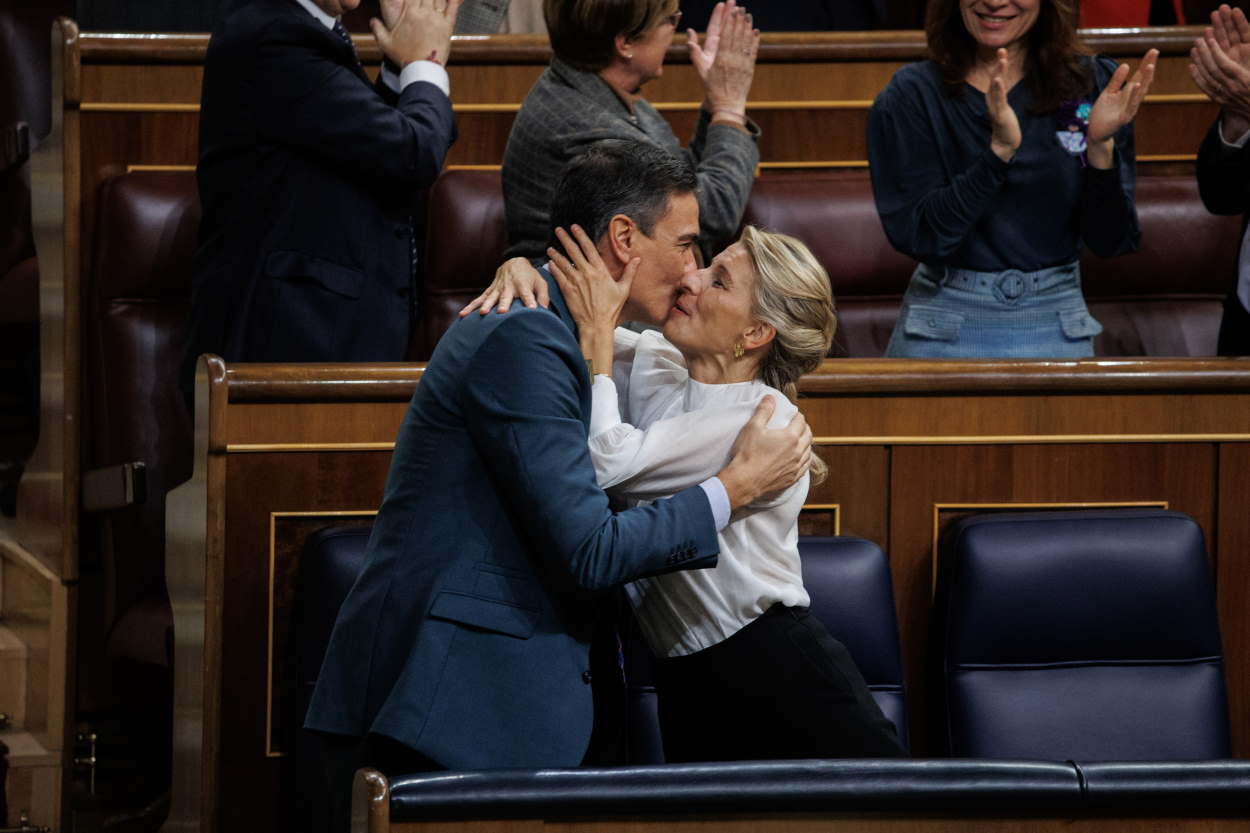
(951, 313)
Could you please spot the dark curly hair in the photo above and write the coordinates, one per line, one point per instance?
(1054, 71)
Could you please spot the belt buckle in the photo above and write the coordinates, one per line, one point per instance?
(1010, 286)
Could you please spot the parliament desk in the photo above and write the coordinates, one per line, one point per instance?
(283, 450)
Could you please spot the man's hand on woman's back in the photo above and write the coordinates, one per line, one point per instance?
(766, 460)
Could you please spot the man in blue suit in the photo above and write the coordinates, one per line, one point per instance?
(464, 643)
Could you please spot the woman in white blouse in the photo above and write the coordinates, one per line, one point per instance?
(745, 672)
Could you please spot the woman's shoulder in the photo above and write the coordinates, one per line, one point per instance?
(910, 83)
(783, 410)
(1102, 68)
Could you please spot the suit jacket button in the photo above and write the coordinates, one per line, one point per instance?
(586, 677)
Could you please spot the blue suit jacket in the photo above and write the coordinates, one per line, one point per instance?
(467, 635)
(308, 175)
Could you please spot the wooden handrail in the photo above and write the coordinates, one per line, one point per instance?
(776, 47)
(395, 382)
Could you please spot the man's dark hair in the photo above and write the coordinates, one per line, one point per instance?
(619, 177)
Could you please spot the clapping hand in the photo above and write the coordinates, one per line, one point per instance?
(1221, 66)
(415, 30)
(726, 60)
(1004, 126)
(594, 297)
(1117, 106)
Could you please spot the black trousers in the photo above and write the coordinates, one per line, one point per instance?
(781, 687)
(343, 755)
(1234, 328)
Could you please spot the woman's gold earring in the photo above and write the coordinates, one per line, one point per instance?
(738, 351)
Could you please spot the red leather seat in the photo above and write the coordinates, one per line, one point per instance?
(465, 238)
(138, 301)
(1164, 300)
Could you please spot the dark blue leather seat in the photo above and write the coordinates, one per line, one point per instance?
(1085, 635)
(848, 580)
(331, 560)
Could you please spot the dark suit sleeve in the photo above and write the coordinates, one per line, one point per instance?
(1223, 174)
(304, 99)
(523, 409)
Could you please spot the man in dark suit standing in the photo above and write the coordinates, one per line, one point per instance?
(307, 176)
(464, 644)
(1221, 69)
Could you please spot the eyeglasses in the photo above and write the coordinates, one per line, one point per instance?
(674, 18)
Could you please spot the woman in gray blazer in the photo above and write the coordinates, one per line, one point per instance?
(604, 52)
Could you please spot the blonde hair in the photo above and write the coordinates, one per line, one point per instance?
(792, 294)
(583, 32)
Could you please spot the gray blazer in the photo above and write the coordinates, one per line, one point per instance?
(569, 109)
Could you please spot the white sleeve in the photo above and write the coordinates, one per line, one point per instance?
(658, 368)
(430, 71)
(624, 345)
(669, 455)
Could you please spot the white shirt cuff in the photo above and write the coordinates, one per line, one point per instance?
(605, 411)
(430, 71)
(719, 500)
(1239, 143)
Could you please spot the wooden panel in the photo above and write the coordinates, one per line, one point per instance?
(320, 483)
(892, 474)
(1232, 560)
(810, 92)
(857, 483)
(314, 423)
(1181, 476)
(898, 420)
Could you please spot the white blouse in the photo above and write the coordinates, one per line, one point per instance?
(655, 431)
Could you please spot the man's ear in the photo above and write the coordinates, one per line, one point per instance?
(622, 239)
(758, 334)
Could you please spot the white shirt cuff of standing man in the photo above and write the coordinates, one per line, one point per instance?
(430, 71)
(604, 413)
(416, 71)
(1236, 143)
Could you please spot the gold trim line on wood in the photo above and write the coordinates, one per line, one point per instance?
(1034, 439)
(1167, 157)
(837, 513)
(818, 163)
(132, 168)
(138, 107)
(796, 104)
(273, 525)
(1177, 98)
(939, 507)
(262, 448)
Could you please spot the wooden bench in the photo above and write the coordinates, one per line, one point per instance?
(282, 450)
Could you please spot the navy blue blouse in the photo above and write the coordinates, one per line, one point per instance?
(946, 199)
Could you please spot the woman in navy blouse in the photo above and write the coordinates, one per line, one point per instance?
(991, 164)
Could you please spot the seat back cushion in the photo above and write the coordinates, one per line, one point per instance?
(848, 580)
(465, 241)
(1086, 635)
